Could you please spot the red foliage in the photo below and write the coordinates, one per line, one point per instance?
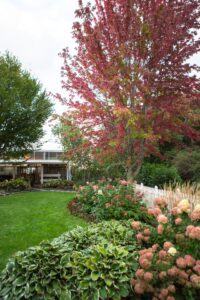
(130, 81)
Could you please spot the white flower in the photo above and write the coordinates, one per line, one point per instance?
(172, 251)
(100, 192)
(197, 208)
(184, 205)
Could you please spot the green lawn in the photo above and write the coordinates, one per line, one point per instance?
(28, 218)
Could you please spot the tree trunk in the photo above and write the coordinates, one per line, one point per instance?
(133, 171)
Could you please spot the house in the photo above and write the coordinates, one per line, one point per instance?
(40, 166)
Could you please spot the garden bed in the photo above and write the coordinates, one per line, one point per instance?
(147, 254)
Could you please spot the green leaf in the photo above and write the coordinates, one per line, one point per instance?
(94, 276)
(96, 295)
(103, 293)
(108, 281)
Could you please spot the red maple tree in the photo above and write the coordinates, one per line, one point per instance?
(130, 82)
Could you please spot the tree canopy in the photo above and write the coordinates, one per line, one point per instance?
(24, 108)
(130, 81)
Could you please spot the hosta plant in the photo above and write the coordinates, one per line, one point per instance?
(87, 263)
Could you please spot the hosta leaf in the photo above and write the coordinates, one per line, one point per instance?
(103, 293)
(96, 295)
(94, 276)
(84, 284)
(108, 281)
(19, 281)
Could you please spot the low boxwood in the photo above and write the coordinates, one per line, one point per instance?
(87, 263)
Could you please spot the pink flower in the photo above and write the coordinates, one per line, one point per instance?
(157, 211)
(193, 232)
(178, 221)
(147, 231)
(135, 225)
(173, 271)
(190, 261)
(160, 229)
(181, 263)
(160, 202)
(149, 255)
(146, 238)
(139, 236)
(175, 211)
(123, 182)
(183, 275)
(197, 269)
(148, 276)
(162, 219)
(195, 279)
(151, 211)
(172, 288)
(162, 254)
(170, 298)
(144, 263)
(139, 273)
(167, 245)
(164, 292)
(195, 216)
(139, 289)
(155, 247)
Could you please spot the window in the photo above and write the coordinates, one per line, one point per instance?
(39, 155)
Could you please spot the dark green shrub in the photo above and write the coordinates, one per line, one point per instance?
(87, 263)
(157, 175)
(188, 165)
(15, 184)
(58, 183)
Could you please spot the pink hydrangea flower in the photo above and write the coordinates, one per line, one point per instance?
(139, 289)
(178, 221)
(172, 288)
(136, 225)
(148, 276)
(167, 245)
(162, 219)
(164, 292)
(139, 273)
(139, 236)
(190, 261)
(175, 211)
(181, 263)
(160, 202)
(157, 211)
(162, 254)
(160, 229)
(146, 238)
(147, 231)
(144, 263)
(123, 182)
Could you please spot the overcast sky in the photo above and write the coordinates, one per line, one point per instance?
(36, 31)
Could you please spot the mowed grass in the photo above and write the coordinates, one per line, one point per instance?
(28, 218)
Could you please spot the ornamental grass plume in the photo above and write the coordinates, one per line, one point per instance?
(190, 191)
